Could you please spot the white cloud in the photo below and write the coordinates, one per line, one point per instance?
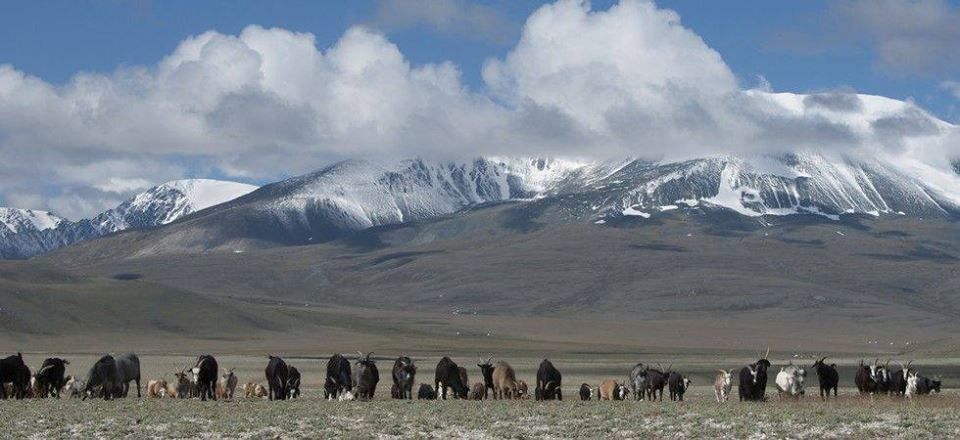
(268, 103)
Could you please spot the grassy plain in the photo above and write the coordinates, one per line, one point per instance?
(851, 416)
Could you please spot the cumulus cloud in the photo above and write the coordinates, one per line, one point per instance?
(269, 103)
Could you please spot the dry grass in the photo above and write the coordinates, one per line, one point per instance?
(311, 417)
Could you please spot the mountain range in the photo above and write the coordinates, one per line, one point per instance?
(354, 195)
(702, 252)
(25, 233)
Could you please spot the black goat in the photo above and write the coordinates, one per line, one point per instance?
(486, 370)
(404, 373)
(339, 378)
(206, 371)
(753, 380)
(426, 392)
(103, 380)
(653, 382)
(51, 377)
(868, 378)
(277, 374)
(828, 376)
(586, 393)
(13, 369)
(549, 382)
(367, 376)
(293, 382)
(678, 384)
(448, 376)
(128, 369)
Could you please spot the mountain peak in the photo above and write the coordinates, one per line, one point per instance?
(27, 232)
(16, 220)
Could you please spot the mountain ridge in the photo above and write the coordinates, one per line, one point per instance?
(350, 196)
(156, 206)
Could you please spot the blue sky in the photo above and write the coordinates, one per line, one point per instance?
(100, 99)
(56, 39)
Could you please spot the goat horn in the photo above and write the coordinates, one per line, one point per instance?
(768, 353)
(908, 363)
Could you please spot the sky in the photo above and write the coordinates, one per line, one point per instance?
(101, 99)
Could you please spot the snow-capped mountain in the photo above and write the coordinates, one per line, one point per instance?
(14, 221)
(781, 185)
(25, 233)
(165, 203)
(354, 195)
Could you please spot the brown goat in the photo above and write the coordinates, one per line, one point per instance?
(476, 393)
(229, 384)
(504, 381)
(248, 389)
(184, 385)
(522, 389)
(612, 390)
(157, 389)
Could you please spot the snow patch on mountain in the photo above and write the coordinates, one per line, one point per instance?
(15, 220)
(803, 183)
(359, 194)
(167, 202)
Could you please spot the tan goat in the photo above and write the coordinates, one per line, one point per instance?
(504, 381)
(722, 384)
(610, 389)
(156, 389)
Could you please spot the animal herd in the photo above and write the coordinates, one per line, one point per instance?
(111, 377)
